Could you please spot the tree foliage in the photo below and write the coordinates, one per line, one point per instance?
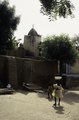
(8, 24)
(54, 8)
(60, 48)
(15, 43)
(75, 41)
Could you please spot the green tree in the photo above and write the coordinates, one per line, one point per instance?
(75, 41)
(60, 48)
(15, 43)
(8, 24)
(54, 8)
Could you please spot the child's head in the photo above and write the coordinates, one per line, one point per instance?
(58, 83)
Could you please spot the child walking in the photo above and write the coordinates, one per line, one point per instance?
(57, 93)
(49, 91)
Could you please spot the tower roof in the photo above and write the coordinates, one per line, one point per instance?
(33, 32)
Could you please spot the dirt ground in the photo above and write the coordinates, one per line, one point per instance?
(36, 106)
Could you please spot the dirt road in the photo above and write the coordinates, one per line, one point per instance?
(36, 106)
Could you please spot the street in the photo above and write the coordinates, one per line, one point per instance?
(36, 106)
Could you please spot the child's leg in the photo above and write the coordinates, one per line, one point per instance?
(48, 95)
(55, 101)
(51, 95)
(59, 101)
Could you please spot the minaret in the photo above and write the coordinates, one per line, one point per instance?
(31, 41)
(33, 26)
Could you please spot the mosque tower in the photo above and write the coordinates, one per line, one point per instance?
(31, 42)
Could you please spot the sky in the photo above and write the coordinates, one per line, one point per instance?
(29, 12)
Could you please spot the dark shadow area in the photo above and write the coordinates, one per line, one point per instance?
(5, 91)
(25, 92)
(71, 97)
(59, 110)
(50, 99)
(44, 95)
(8, 92)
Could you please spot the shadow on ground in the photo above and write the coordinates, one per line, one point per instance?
(44, 95)
(25, 92)
(71, 97)
(59, 110)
